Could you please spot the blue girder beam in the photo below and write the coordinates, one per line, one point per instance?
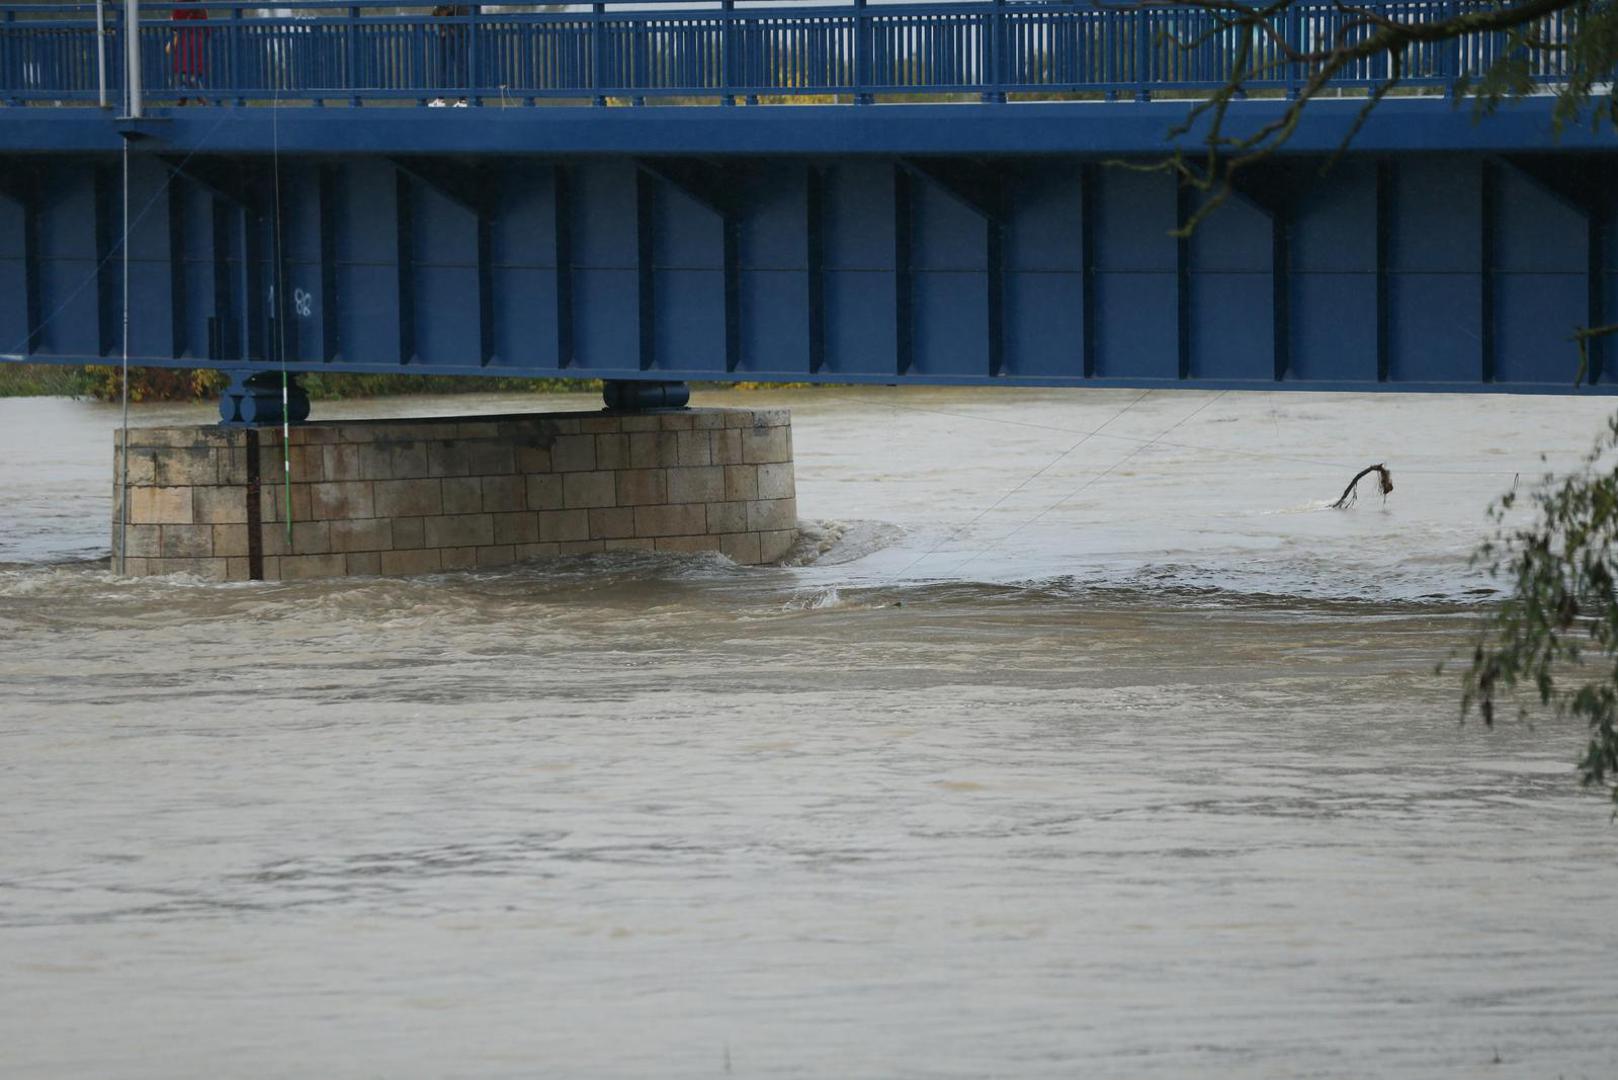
(1410, 271)
(1089, 128)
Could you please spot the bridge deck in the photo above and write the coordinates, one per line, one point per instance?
(723, 50)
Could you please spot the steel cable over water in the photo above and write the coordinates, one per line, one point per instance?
(280, 312)
(123, 464)
(1087, 484)
(1030, 479)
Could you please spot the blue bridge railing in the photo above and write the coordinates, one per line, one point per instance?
(240, 53)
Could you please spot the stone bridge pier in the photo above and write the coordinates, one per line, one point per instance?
(399, 497)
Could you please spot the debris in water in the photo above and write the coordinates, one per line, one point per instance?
(1351, 492)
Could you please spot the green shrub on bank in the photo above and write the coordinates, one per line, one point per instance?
(335, 386)
(43, 380)
(102, 382)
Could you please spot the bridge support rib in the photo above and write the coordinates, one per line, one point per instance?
(25, 192)
(903, 282)
(1182, 286)
(982, 190)
(815, 227)
(109, 294)
(1587, 192)
(562, 256)
(1384, 259)
(1272, 191)
(405, 245)
(330, 346)
(1087, 269)
(645, 278)
(710, 187)
(1487, 182)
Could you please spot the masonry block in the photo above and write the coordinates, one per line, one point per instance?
(518, 528)
(773, 546)
(220, 505)
(699, 484)
(274, 497)
(612, 451)
(741, 483)
(361, 534)
(775, 481)
(404, 563)
(574, 453)
(503, 494)
(408, 460)
(589, 489)
(654, 449)
(230, 541)
(545, 492)
(726, 447)
(670, 520)
(459, 558)
(346, 499)
(642, 487)
(186, 466)
(409, 498)
(187, 541)
(564, 525)
(409, 533)
(160, 506)
(145, 541)
(693, 447)
(341, 462)
(612, 523)
(534, 459)
(689, 545)
(312, 566)
(766, 445)
(363, 563)
(462, 494)
(741, 548)
(727, 517)
(451, 458)
(460, 530)
(491, 457)
(772, 515)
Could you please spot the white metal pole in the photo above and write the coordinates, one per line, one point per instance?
(123, 464)
(132, 55)
(101, 51)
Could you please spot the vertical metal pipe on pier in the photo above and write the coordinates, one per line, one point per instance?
(132, 56)
(101, 53)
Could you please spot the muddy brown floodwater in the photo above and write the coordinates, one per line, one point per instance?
(1080, 739)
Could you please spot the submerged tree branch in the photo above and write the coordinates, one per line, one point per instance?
(1351, 492)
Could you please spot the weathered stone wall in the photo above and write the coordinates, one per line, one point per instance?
(420, 496)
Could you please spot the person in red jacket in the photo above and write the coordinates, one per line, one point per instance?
(186, 48)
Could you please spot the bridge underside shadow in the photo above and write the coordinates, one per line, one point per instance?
(1449, 271)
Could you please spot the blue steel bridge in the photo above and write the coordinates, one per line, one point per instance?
(838, 192)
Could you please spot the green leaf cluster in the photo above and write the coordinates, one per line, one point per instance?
(1553, 643)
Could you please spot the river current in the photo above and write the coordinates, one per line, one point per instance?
(1078, 738)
